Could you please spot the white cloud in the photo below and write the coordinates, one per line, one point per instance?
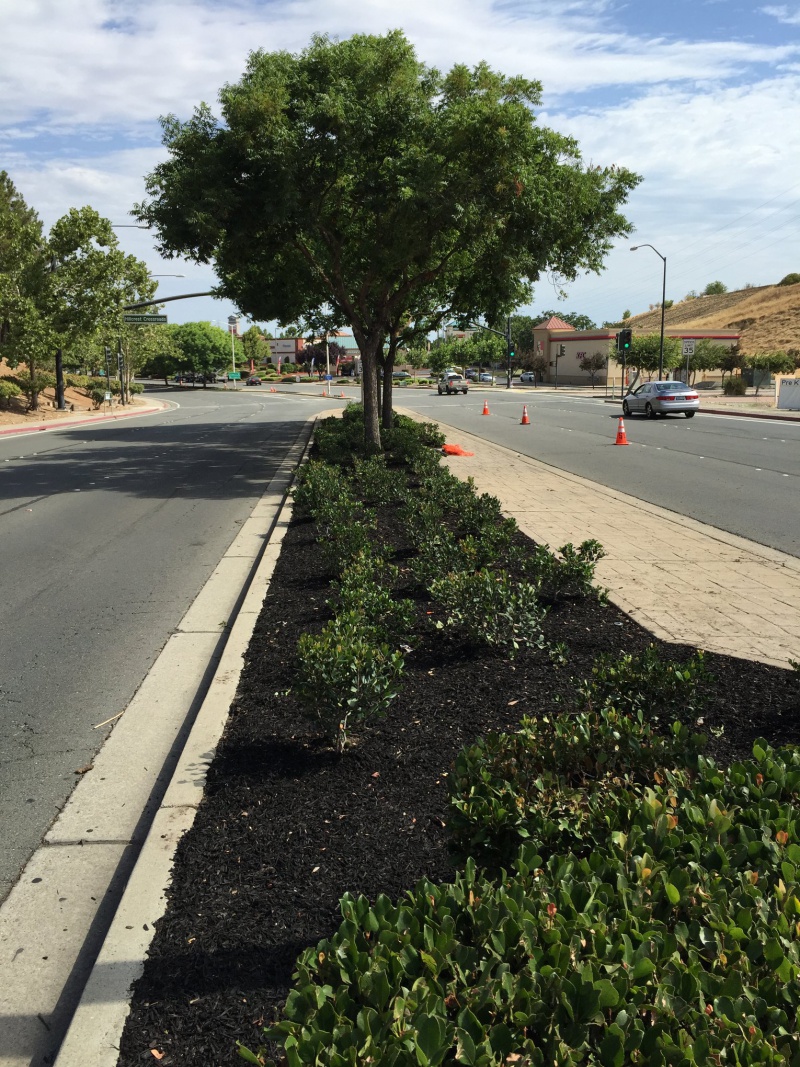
(783, 14)
(83, 85)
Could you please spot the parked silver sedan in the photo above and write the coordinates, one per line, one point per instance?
(662, 398)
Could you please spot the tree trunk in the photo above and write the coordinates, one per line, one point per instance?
(369, 346)
(33, 401)
(387, 414)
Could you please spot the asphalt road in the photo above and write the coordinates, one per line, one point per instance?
(108, 533)
(738, 474)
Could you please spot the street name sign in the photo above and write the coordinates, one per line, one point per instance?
(147, 319)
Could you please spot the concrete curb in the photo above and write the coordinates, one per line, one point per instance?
(61, 424)
(95, 1031)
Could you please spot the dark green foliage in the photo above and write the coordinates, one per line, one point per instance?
(644, 681)
(488, 607)
(339, 441)
(345, 674)
(428, 432)
(676, 942)
(790, 279)
(561, 782)
(365, 588)
(734, 386)
(345, 528)
(378, 484)
(318, 482)
(570, 576)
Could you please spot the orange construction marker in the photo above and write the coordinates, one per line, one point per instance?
(525, 421)
(621, 436)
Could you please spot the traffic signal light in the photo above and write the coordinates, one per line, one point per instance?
(624, 338)
(511, 352)
(562, 350)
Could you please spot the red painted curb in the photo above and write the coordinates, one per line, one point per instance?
(61, 424)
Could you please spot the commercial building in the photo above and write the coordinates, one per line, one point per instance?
(564, 347)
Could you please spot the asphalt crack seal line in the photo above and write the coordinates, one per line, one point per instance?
(113, 842)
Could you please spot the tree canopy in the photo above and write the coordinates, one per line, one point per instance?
(355, 181)
(64, 291)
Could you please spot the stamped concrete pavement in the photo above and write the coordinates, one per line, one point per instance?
(683, 580)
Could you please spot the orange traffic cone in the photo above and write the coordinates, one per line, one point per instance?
(621, 437)
(525, 421)
(341, 395)
(485, 408)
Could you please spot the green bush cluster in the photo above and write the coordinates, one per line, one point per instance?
(674, 943)
(734, 385)
(620, 899)
(488, 607)
(8, 390)
(568, 575)
(346, 675)
(670, 936)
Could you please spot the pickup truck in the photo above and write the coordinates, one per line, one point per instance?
(452, 383)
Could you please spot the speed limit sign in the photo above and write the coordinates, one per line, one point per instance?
(688, 347)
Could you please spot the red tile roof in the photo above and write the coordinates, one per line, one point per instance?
(553, 323)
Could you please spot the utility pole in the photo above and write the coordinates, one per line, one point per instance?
(509, 352)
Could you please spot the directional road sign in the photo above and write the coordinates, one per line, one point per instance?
(147, 319)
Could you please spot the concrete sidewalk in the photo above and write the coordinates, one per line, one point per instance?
(683, 580)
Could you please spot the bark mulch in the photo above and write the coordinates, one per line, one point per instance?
(287, 826)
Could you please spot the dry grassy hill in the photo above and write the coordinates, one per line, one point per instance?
(768, 317)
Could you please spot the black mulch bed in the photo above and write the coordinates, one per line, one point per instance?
(287, 826)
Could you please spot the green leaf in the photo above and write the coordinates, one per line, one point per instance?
(612, 1051)
(673, 893)
(643, 969)
(431, 1040)
(247, 1055)
(465, 1047)
(608, 996)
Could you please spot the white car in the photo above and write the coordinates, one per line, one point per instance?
(452, 383)
(662, 398)
(528, 376)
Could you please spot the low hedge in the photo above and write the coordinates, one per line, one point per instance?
(677, 942)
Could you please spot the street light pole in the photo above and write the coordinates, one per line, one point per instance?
(663, 303)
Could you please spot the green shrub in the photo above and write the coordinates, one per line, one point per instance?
(97, 395)
(8, 390)
(677, 942)
(378, 484)
(339, 441)
(421, 520)
(734, 385)
(441, 554)
(366, 588)
(345, 529)
(490, 608)
(345, 675)
(428, 432)
(135, 388)
(560, 782)
(318, 482)
(631, 682)
(790, 279)
(571, 576)
(78, 381)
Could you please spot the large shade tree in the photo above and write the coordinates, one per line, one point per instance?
(61, 292)
(354, 180)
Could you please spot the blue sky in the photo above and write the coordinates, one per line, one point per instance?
(701, 97)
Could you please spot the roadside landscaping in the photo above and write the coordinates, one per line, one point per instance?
(593, 891)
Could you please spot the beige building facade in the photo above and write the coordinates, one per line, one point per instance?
(554, 335)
